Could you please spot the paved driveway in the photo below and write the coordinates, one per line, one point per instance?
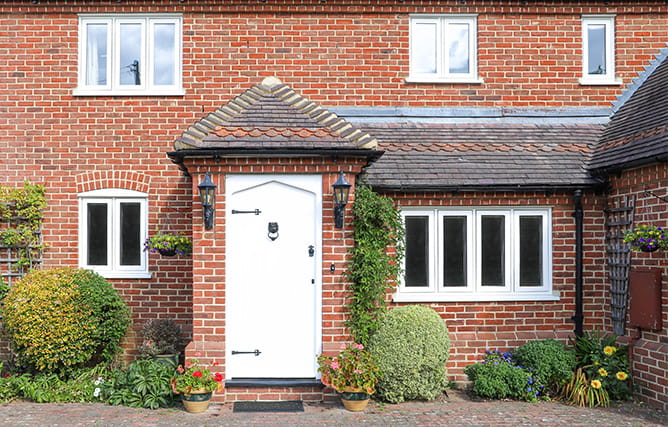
(456, 410)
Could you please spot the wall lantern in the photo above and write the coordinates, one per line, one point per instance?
(207, 194)
(341, 193)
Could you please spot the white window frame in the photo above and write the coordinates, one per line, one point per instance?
(442, 75)
(474, 291)
(113, 198)
(113, 86)
(608, 77)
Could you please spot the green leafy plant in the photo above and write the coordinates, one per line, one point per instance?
(353, 368)
(167, 243)
(21, 212)
(550, 360)
(375, 260)
(64, 318)
(583, 391)
(193, 376)
(161, 336)
(499, 377)
(600, 358)
(646, 238)
(143, 384)
(411, 346)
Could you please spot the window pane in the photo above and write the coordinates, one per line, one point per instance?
(130, 54)
(163, 54)
(596, 48)
(130, 223)
(417, 251)
(454, 251)
(531, 250)
(97, 233)
(424, 48)
(493, 250)
(458, 40)
(96, 54)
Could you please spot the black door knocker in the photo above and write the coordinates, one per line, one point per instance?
(273, 231)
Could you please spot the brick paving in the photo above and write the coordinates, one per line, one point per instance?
(457, 410)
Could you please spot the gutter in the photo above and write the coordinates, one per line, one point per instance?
(217, 154)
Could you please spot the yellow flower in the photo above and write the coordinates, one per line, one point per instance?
(609, 350)
(621, 376)
(602, 372)
(596, 363)
(596, 383)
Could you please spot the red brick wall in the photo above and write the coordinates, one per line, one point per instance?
(479, 326)
(335, 54)
(649, 348)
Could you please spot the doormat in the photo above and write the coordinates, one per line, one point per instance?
(286, 406)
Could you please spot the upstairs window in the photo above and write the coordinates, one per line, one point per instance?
(477, 255)
(129, 55)
(598, 50)
(443, 49)
(112, 230)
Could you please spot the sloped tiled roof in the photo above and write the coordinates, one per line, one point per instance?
(459, 156)
(638, 130)
(270, 116)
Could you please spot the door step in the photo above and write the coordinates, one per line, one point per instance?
(269, 406)
(273, 382)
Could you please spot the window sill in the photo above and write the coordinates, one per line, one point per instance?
(96, 92)
(588, 82)
(123, 274)
(470, 297)
(443, 80)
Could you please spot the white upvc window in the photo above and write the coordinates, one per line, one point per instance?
(129, 55)
(443, 48)
(598, 50)
(112, 231)
(477, 254)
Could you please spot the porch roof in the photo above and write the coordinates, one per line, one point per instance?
(445, 156)
(272, 116)
(638, 131)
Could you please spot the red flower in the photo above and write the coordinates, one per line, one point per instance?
(218, 377)
(197, 374)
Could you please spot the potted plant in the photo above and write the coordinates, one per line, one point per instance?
(353, 373)
(195, 384)
(168, 244)
(162, 340)
(646, 238)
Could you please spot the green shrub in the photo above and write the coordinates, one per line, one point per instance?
(50, 388)
(64, 318)
(411, 346)
(498, 377)
(550, 360)
(600, 358)
(144, 384)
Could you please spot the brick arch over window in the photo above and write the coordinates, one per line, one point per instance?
(126, 180)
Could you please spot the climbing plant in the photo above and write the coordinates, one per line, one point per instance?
(375, 259)
(21, 215)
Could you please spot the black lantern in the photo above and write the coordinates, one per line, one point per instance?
(207, 194)
(341, 193)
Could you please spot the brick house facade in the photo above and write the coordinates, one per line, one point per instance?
(525, 96)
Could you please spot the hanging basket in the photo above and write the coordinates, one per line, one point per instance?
(167, 252)
(652, 248)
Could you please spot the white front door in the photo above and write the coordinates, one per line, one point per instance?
(273, 284)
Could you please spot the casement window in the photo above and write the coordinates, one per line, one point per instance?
(477, 255)
(112, 230)
(129, 55)
(443, 48)
(598, 50)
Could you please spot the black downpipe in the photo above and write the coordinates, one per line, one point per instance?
(578, 318)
